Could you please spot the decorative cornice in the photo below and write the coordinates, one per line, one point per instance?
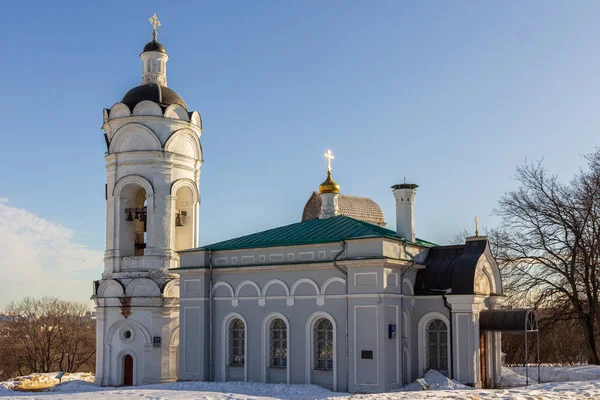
(292, 266)
(146, 118)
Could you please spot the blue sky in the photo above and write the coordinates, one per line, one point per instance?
(451, 95)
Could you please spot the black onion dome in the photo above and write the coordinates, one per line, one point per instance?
(153, 92)
(154, 46)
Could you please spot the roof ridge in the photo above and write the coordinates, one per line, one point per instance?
(448, 246)
(334, 229)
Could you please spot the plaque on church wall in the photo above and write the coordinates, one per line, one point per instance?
(156, 341)
(366, 354)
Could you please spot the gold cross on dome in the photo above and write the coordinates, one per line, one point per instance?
(329, 157)
(476, 227)
(155, 23)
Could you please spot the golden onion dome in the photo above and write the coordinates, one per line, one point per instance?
(329, 186)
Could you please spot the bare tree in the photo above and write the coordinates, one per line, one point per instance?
(77, 343)
(11, 355)
(49, 334)
(548, 244)
(35, 328)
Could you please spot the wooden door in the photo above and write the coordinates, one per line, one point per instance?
(128, 371)
(482, 362)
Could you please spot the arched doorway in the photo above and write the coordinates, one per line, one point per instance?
(127, 370)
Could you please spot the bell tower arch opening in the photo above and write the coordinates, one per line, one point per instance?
(133, 221)
(186, 197)
(135, 230)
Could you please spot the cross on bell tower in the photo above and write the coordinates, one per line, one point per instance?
(154, 58)
(155, 24)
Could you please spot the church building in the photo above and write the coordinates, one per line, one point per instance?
(336, 299)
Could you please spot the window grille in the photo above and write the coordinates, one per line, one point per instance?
(437, 346)
(323, 345)
(236, 343)
(278, 337)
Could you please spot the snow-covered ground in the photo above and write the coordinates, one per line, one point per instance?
(450, 390)
(262, 391)
(562, 374)
(34, 381)
(511, 379)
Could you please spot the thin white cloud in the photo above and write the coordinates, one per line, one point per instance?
(4, 200)
(42, 258)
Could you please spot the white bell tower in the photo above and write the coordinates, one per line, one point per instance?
(153, 163)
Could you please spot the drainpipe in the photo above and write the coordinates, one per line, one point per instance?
(210, 319)
(451, 330)
(343, 271)
(404, 373)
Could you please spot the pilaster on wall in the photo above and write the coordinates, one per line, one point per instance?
(193, 346)
(163, 228)
(495, 347)
(466, 367)
(100, 328)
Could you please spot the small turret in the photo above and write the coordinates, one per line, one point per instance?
(154, 58)
(405, 210)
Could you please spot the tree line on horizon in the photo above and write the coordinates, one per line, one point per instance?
(46, 335)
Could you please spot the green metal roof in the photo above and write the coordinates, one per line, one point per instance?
(313, 231)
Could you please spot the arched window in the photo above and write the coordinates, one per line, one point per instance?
(323, 345)
(236, 343)
(278, 344)
(437, 346)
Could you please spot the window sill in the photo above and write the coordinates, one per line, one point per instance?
(321, 371)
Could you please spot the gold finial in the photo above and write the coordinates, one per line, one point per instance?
(329, 186)
(476, 227)
(155, 23)
(329, 157)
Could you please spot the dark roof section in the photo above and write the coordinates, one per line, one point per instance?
(450, 269)
(154, 46)
(153, 92)
(508, 320)
(405, 186)
(313, 231)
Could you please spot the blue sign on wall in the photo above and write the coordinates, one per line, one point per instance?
(392, 331)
